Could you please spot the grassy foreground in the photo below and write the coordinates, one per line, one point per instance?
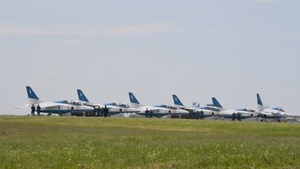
(86, 142)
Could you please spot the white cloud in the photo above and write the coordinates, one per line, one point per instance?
(73, 29)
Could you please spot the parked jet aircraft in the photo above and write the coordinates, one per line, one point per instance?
(266, 112)
(233, 113)
(113, 108)
(203, 111)
(55, 107)
(158, 111)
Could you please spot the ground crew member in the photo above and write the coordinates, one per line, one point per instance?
(38, 110)
(101, 109)
(150, 113)
(201, 114)
(147, 112)
(239, 117)
(197, 115)
(32, 110)
(233, 116)
(105, 111)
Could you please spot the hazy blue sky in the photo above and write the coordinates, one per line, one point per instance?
(230, 49)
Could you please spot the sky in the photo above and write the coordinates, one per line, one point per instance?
(197, 49)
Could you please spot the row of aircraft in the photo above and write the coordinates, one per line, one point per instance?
(62, 107)
(215, 109)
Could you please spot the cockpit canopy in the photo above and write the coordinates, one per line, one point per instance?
(167, 106)
(123, 105)
(77, 103)
(244, 109)
(278, 109)
(120, 104)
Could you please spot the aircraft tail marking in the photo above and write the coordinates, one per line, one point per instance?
(32, 97)
(133, 99)
(259, 102)
(177, 101)
(216, 103)
(31, 93)
(81, 96)
(260, 105)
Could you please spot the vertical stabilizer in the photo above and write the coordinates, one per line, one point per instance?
(260, 105)
(81, 96)
(133, 100)
(176, 100)
(216, 103)
(32, 97)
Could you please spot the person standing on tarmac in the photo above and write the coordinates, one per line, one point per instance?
(101, 109)
(233, 116)
(201, 114)
(239, 117)
(150, 113)
(105, 111)
(32, 110)
(38, 110)
(147, 112)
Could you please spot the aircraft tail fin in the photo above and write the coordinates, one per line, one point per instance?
(176, 100)
(133, 99)
(32, 97)
(260, 105)
(216, 103)
(81, 96)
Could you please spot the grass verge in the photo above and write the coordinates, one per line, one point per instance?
(78, 142)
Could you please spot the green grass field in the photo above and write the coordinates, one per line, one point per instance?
(87, 142)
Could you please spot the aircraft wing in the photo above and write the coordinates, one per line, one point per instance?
(241, 111)
(48, 106)
(189, 109)
(24, 107)
(51, 105)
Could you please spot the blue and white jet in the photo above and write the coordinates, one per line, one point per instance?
(113, 108)
(204, 111)
(62, 107)
(266, 112)
(158, 110)
(234, 114)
